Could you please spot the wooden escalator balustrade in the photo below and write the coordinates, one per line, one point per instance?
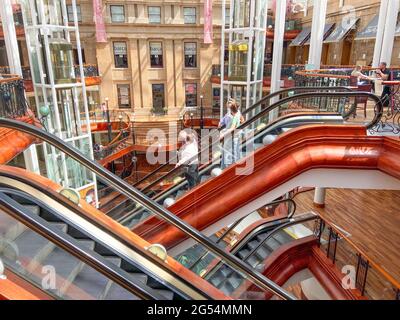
(297, 151)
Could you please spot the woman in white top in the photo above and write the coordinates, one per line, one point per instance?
(188, 158)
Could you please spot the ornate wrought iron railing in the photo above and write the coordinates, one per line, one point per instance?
(12, 97)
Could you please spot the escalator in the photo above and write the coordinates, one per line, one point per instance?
(253, 248)
(258, 130)
(189, 205)
(25, 252)
(73, 236)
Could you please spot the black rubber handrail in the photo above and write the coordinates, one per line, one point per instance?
(247, 122)
(276, 230)
(135, 195)
(378, 115)
(67, 243)
(235, 224)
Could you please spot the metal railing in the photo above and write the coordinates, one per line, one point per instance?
(369, 277)
(12, 97)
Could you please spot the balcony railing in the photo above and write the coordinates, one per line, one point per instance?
(12, 97)
(89, 70)
(363, 273)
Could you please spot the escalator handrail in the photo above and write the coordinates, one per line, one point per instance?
(278, 93)
(235, 224)
(278, 104)
(136, 196)
(247, 122)
(33, 222)
(278, 229)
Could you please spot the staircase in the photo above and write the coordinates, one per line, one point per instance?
(148, 133)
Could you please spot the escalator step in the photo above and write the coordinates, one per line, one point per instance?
(216, 279)
(226, 287)
(33, 208)
(235, 280)
(66, 267)
(128, 267)
(261, 237)
(89, 244)
(115, 260)
(155, 284)
(242, 253)
(48, 216)
(102, 250)
(76, 234)
(116, 292)
(272, 244)
(168, 295)
(263, 252)
(226, 271)
(253, 260)
(283, 237)
(253, 244)
(139, 277)
(90, 282)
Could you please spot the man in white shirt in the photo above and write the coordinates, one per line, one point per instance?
(188, 158)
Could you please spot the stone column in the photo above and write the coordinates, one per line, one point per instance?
(319, 197)
(317, 32)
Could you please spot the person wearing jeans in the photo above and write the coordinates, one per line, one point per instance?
(188, 158)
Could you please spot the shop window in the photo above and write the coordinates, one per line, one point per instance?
(124, 95)
(191, 95)
(189, 15)
(190, 49)
(120, 55)
(158, 98)
(70, 13)
(156, 55)
(117, 13)
(154, 14)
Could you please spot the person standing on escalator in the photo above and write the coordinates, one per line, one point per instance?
(188, 158)
(384, 73)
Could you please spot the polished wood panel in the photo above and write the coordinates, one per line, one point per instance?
(20, 141)
(308, 147)
(371, 217)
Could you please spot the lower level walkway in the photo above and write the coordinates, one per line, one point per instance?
(371, 217)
